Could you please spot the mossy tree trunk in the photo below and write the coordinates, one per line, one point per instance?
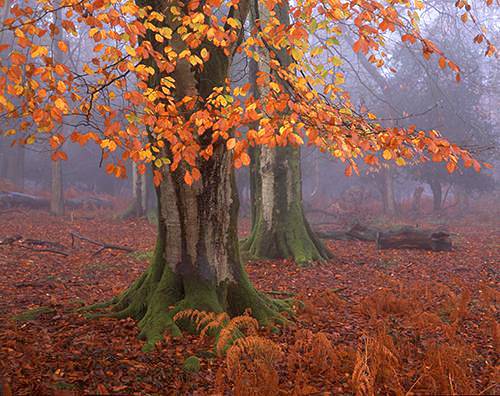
(196, 262)
(279, 226)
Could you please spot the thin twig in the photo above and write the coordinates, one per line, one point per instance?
(102, 245)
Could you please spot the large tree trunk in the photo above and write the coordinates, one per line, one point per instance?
(279, 227)
(196, 262)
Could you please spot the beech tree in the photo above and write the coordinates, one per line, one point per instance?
(279, 226)
(172, 60)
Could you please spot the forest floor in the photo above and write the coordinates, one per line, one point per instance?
(396, 321)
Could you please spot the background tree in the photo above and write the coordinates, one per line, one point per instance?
(279, 226)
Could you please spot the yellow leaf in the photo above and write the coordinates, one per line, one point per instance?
(61, 87)
(61, 104)
(336, 61)
(234, 23)
(204, 54)
(400, 161)
(195, 60)
(274, 86)
(387, 155)
(131, 51)
(38, 51)
(231, 143)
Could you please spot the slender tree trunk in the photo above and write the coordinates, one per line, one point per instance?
(137, 207)
(57, 195)
(279, 226)
(57, 187)
(15, 166)
(437, 195)
(196, 262)
(417, 199)
(387, 190)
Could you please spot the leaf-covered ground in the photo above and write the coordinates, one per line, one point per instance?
(422, 322)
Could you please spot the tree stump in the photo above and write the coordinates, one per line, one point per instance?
(411, 238)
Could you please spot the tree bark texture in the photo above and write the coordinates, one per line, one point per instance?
(57, 196)
(279, 228)
(196, 263)
(138, 206)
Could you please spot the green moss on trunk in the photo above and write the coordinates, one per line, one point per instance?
(158, 294)
(289, 234)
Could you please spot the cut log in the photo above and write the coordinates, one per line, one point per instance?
(412, 238)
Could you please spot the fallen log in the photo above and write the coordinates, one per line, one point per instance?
(10, 240)
(357, 232)
(412, 238)
(11, 199)
(103, 246)
(89, 203)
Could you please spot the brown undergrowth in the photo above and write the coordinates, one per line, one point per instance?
(423, 323)
(414, 323)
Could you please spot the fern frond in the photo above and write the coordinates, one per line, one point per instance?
(236, 328)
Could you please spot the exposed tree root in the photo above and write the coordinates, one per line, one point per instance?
(159, 294)
(292, 240)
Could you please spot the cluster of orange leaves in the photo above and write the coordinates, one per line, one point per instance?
(131, 119)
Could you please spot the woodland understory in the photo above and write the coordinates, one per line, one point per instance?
(367, 321)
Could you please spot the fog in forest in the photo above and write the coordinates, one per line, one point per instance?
(337, 233)
(407, 90)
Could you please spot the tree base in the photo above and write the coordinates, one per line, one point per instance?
(292, 240)
(159, 294)
(133, 211)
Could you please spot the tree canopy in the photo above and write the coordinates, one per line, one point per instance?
(137, 97)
